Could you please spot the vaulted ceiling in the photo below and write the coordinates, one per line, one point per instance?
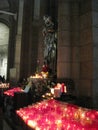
(4, 38)
(4, 31)
(5, 6)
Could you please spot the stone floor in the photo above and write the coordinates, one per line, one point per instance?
(10, 123)
(6, 126)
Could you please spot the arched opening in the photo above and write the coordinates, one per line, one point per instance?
(4, 40)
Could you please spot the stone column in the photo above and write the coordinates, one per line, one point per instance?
(64, 43)
(75, 45)
(18, 39)
(86, 49)
(95, 51)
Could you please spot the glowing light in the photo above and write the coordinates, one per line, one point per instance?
(11, 92)
(32, 124)
(55, 115)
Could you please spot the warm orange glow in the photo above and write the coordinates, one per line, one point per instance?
(44, 74)
(36, 76)
(4, 85)
(32, 123)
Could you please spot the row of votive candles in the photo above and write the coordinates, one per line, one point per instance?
(55, 115)
(4, 85)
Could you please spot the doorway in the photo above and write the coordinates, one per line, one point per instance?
(4, 40)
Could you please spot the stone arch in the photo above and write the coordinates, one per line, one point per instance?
(4, 41)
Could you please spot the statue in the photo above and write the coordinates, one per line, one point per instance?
(50, 41)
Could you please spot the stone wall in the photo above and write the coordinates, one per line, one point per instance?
(86, 48)
(75, 44)
(64, 43)
(95, 51)
(68, 58)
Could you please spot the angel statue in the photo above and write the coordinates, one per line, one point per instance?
(50, 41)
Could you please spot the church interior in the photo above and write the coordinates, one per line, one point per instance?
(48, 65)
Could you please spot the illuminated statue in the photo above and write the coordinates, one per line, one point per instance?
(50, 40)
